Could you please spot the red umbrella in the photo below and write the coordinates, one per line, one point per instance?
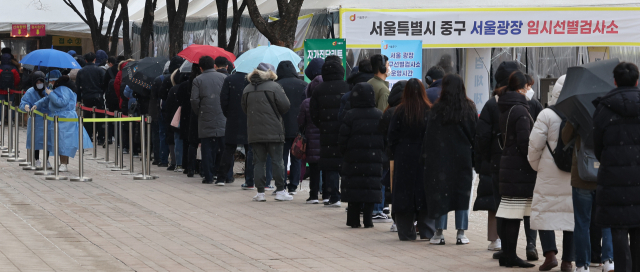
(195, 51)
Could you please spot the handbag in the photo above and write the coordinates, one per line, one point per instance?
(299, 146)
(175, 122)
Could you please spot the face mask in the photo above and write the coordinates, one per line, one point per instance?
(529, 93)
(39, 86)
(388, 72)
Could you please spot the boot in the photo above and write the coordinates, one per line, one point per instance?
(514, 262)
(566, 266)
(497, 255)
(550, 261)
(532, 253)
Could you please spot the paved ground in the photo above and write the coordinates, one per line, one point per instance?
(176, 223)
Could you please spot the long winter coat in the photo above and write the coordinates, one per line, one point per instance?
(264, 125)
(61, 102)
(395, 97)
(294, 88)
(205, 102)
(311, 132)
(405, 145)
(552, 206)
(447, 151)
(230, 100)
(362, 145)
(487, 156)
(616, 136)
(324, 106)
(517, 178)
(183, 97)
(31, 97)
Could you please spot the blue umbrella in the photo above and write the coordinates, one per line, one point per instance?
(50, 58)
(271, 54)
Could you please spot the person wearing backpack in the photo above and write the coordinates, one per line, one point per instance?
(616, 142)
(552, 207)
(9, 78)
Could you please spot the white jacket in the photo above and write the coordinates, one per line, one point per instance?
(552, 206)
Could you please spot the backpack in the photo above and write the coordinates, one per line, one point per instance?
(563, 154)
(588, 164)
(7, 79)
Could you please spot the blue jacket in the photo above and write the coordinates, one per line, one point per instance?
(433, 92)
(31, 97)
(62, 103)
(128, 93)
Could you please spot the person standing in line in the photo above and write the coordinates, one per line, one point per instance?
(434, 79)
(221, 66)
(324, 107)
(89, 82)
(361, 144)
(30, 98)
(186, 132)
(617, 147)
(154, 112)
(380, 66)
(312, 133)
(362, 73)
(264, 102)
(551, 207)
(406, 130)
(205, 102)
(294, 89)
(164, 120)
(447, 156)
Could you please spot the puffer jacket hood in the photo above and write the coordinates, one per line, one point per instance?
(175, 63)
(332, 71)
(286, 69)
(314, 68)
(123, 63)
(557, 88)
(395, 97)
(38, 75)
(622, 100)
(5, 59)
(362, 96)
(510, 99)
(258, 77)
(312, 86)
(504, 71)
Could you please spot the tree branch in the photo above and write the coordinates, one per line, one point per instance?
(72, 6)
(259, 22)
(104, 5)
(283, 7)
(171, 10)
(112, 18)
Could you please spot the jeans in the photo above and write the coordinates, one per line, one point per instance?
(164, 148)
(378, 207)
(314, 182)
(582, 205)
(294, 180)
(178, 148)
(627, 254)
(155, 140)
(260, 151)
(332, 180)
(548, 241)
(462, 220)
(210, 147)
(248, 165)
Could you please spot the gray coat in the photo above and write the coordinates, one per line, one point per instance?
(263, 124)
(205, 103)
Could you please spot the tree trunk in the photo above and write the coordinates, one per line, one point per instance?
(126, 38)
(222, 6)
(176, 19)
(146, 30)
(237, 17)
(114, 35)
(283, 31)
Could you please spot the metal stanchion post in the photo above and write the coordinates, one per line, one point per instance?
(44, 170)
(81, 176)
(131, 170)
(120, 160)
(16, 140)
(95, 139)
(119, 147)
(149, 148)
(9, 152)
(32, 151)
(143, 146)
(106, 141)
(3, 146)
(27, 163)
(56, 160)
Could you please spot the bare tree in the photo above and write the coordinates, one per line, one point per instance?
(146, 30)
(38, 5)
(222, 23)
(100, 41)
(176, 17)
(283, 31)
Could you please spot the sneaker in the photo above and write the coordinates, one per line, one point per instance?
(394, 228)
(283, 196)
(269, 188)
(336, 204)
(582, 269)
(48, 165)
(325, 201)
(171, 167)
(38, 163)
(312, 201)
(437, 240)
(244, 186)
(259, 197)
(63, 168)
(125, 151)
(462, 239)
(495, 245)
(379, 216)
(607, 266)
(178, 169)
(229, 181)
(385, 210)
(163, 165)
(272, 193)
(219, 183)
(292, 192)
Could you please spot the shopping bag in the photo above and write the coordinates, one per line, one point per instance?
(176, 118)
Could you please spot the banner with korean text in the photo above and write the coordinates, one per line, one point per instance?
(477, 76)
(493, 27)
(322, 48)
(405, 59)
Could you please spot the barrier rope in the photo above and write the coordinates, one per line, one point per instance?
(86, 120)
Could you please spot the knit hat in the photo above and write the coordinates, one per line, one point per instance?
(72, 53)
(266, 67)
(54, 75)
(503, 72)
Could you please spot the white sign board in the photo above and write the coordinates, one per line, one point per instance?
(477, 76)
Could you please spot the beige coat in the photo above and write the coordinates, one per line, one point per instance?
(552, 206)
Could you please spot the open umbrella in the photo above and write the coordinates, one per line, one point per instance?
(139, 75)
(271, 54)
(195, 51)
(582, 85)
(50, 58)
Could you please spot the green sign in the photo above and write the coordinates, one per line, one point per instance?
(322, 48)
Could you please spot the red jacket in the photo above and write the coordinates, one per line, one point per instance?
(118, 81)
(16, 80)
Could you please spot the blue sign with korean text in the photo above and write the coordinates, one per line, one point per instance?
(405, 59)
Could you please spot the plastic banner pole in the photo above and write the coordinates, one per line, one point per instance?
(32, 151)
(120, 160)
(3, 146)
(56, 154)
(106, 140)
(95, 139)
(16, 140)
(131, 170)
(43, 170)
(81, 176)
(143, 146)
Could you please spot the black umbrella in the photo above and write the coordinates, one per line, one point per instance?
(139, 75)
(582, 85)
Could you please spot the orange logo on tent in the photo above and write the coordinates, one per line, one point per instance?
(386, 46)
(352, 17)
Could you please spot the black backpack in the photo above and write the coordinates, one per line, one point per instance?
(563, 154)
(7, 80)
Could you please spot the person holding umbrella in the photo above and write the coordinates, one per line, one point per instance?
(61, 102)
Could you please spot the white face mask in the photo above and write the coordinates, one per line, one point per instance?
(388, 72)
(39, 86)
(530, 93)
